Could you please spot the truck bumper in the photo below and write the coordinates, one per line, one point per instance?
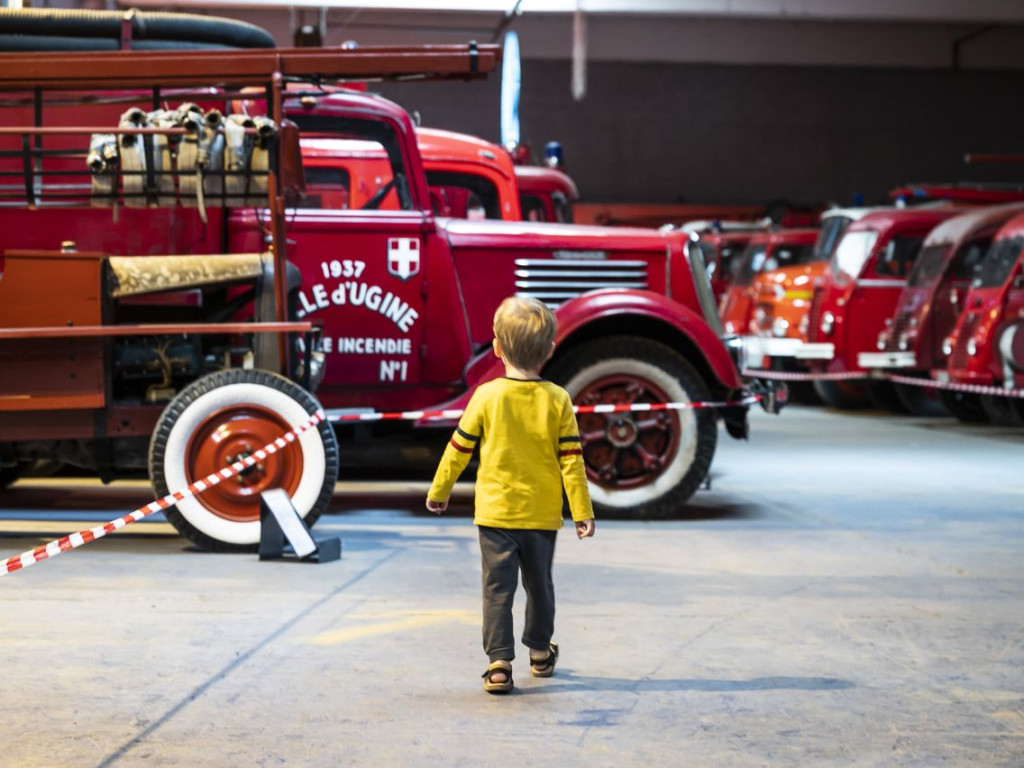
(887, 360)
(819, 351)
(760, 347)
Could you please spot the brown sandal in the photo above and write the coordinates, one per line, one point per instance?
(498, 667)
(545, 667)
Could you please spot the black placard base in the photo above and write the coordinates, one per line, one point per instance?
(284, 535)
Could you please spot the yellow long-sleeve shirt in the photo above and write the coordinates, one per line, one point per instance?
(529, 448)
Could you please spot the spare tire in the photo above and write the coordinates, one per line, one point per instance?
(47, 29)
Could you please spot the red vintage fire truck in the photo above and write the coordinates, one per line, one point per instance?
(721, 243)
(546, 194)
(930, 304)
(766, 252)
(987, 344)
(858, 293)
(404, 297)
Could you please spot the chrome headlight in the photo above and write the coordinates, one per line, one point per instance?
(737, 351)
(780, 326)
(880, 343)
(972, 347)
(828, 322)
(947, 346)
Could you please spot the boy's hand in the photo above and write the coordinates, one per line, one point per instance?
(437, 507)
(585, 528)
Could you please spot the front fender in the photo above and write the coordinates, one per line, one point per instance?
(577, 313)
(603, 305)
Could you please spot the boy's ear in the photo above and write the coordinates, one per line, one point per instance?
(496, 347)
(550, 352)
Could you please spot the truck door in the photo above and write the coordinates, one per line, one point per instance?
(361, 245)
(878, 289)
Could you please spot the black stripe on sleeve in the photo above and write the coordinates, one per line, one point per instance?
(569, 439)
(465, 435)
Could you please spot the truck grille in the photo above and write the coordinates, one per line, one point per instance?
(900, 324)
(814, 314)
(959, 357)
(555, 281)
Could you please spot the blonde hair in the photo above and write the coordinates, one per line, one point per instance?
(525, 329)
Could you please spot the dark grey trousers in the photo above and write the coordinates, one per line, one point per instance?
(505, 553)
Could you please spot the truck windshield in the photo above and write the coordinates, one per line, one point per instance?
(852, 253)
(532, 208)
(789, 256)
(998, 262)
(464, 195)
(749, 264)
(968, 259)
(563, 208)
(929, 265)
(832, 228)
(387, 191)
(898, 256)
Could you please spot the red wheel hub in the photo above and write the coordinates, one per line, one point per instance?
(626, 450)
(232, 434)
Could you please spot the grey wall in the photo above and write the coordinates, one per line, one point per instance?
(705, 133)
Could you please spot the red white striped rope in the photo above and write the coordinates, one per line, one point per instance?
(66, 543)
(75, 540)
(796, 376)
(977, 389)
(603, 408)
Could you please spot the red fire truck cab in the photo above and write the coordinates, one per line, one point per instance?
(406, 301)
(930, 304)
(858, 293)
(766, 252)
(546, 194)
(986, 345)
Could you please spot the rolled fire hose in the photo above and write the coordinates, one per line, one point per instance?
(102, 161)
(133, 159)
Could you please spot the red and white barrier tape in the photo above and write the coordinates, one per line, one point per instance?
(75, 540)
(976, 389)
(66, 543)
(584, 409)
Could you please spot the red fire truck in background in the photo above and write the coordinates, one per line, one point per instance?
(858, 293)
(986, 345)
(911, 342)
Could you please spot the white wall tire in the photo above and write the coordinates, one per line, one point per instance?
(645, 464)
(225, 415)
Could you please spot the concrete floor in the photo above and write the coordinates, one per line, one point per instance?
(849, 593)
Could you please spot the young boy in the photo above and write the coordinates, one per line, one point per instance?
(529, 449)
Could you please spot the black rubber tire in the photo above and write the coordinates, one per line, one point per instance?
(845, 395)
(964, 406)
(921, 401)
(192, 409)
(1003, 411)
(801, 392)
(882, 394)
(9, 474)
(667, 370)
